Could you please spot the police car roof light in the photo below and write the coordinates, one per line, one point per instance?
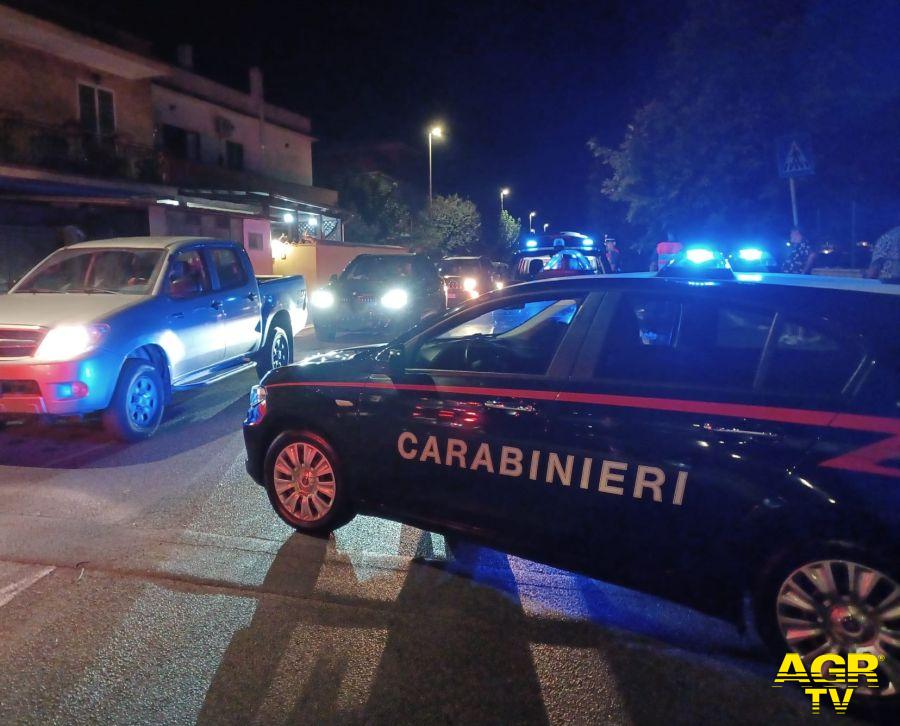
(699, 255)
(698, 263)
(750, 254)
(531, 243)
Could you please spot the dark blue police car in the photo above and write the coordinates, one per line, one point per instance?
(703, 437)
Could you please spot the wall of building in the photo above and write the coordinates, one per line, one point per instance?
(287, 155)
(44, 89)
(318, 262)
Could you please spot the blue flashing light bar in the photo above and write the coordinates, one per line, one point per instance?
(699, 255)
(531, 244)
(750, 254)
(587, 242)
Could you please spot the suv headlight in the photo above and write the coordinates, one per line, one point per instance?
(322, 299)
(66, 342)
(470, 284)
(395, 299)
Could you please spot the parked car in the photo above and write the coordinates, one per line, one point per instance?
(699, 436)
(467, 277)
(566, 264)
(535, 251)
(386, 293)
(113, 327)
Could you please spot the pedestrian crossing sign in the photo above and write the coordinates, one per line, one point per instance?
(795, 156)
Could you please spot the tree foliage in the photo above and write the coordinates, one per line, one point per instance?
(380, 214)
(450, 224)
(509, 231)
(699, 158)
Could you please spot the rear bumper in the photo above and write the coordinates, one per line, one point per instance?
(47, 388)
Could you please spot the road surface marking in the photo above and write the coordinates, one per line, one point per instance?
(8, 592)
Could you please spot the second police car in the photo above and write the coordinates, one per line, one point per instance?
(702, 438)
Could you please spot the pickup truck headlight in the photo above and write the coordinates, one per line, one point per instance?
(322, 299)
(395, 299)
(470, 284)
(66, 342)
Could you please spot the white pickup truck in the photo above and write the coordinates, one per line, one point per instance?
(113, 327)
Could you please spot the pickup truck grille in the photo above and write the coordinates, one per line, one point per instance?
(20, 342)
(19, 388)
(453, 284)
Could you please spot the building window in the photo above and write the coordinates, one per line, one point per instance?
(96, 110)
(181, 143)
(234, 155)
(254, 241)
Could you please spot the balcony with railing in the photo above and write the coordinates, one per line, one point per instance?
(68, 148)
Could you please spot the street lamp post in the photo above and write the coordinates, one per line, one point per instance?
(531, 216)
(546, 224)
(503, 193)
(434, 131)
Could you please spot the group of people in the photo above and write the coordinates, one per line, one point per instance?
(885, 263)
(801, 258)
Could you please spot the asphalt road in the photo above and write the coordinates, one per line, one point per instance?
(153, 584)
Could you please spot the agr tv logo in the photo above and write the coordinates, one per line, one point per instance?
(830, 676)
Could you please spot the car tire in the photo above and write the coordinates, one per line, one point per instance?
(137, 404)
(845, 616)
(278, 350)
(304, 482)
(325, 334)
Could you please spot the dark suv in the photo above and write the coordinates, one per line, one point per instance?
(378, 293)
(698, 437)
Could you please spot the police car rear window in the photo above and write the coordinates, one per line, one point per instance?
(806, 360)
(669, 341)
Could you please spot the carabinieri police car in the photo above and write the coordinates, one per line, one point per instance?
(701, 435)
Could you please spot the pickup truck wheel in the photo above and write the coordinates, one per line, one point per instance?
(304, 483)
(277, 352)
(137, 404)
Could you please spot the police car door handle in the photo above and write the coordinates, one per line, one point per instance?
(513, 406)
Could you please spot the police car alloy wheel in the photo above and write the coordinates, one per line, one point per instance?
(841, 606)
(304, 483)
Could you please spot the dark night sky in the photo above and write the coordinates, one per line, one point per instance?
(520, 86)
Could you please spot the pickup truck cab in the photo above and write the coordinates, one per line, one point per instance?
(113, 327)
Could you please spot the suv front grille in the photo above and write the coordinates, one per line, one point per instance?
(20, 342)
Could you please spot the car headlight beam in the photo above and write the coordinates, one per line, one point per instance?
(395, 299)
(66, 342)
(322, 299)
(469, 284)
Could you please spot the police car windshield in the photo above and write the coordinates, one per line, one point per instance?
(374, 269)
(514, 321)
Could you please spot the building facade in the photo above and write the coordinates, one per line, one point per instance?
(98, 139)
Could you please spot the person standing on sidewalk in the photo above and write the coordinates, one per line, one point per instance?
(801, 258)
(885, 263)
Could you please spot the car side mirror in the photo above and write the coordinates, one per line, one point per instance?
(395, 357)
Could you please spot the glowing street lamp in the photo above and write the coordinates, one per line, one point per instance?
(546, 224)
(433, 132)
(531, 216)
(503, 193)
